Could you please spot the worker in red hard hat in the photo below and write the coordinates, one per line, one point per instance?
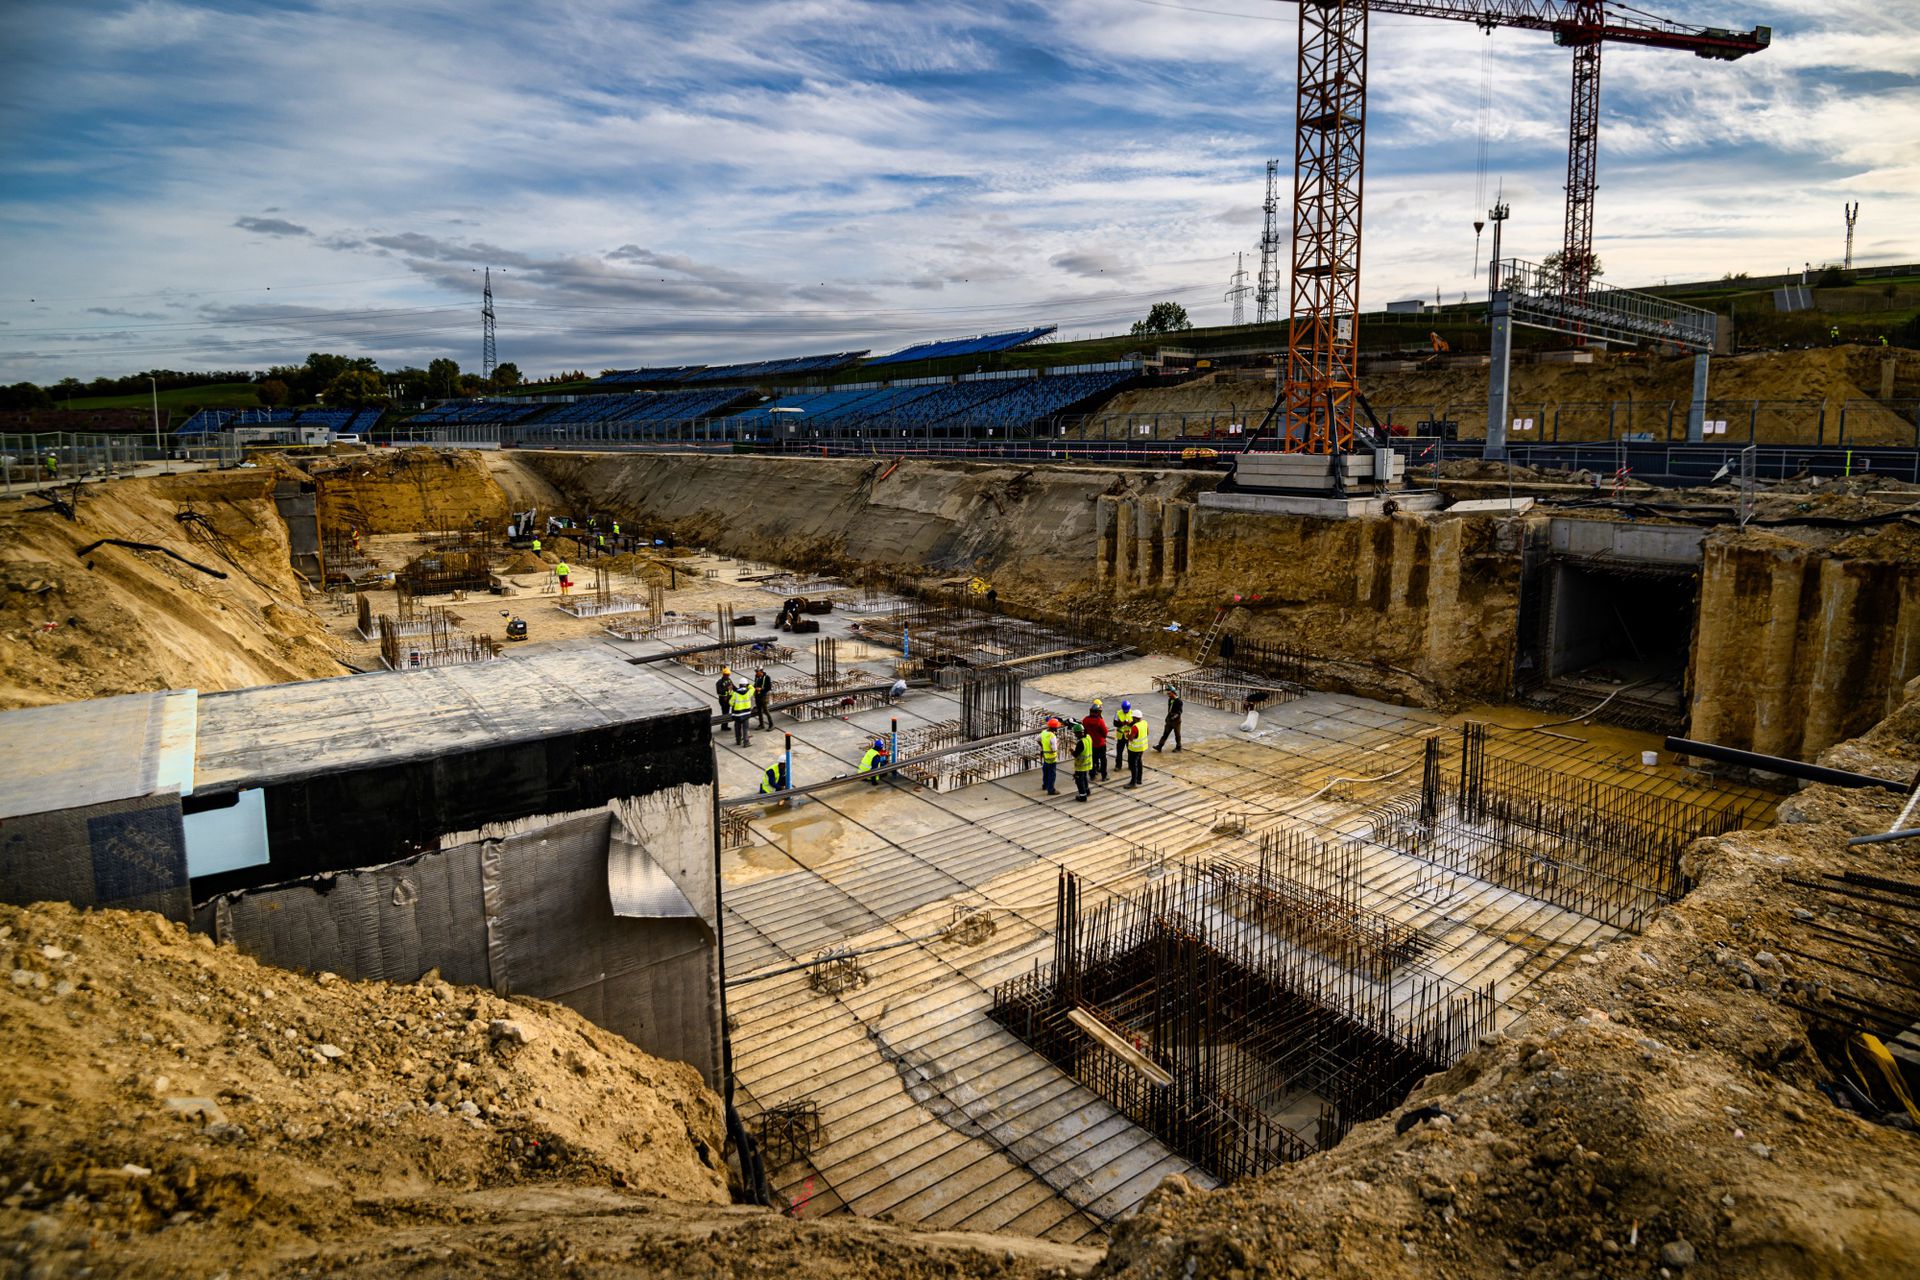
(1049, 756)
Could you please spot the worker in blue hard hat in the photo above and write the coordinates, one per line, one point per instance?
(875, 758)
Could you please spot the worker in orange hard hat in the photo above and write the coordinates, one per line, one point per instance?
(1049, 756)
(723, 690)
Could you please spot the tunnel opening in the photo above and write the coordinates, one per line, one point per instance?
(1615, 636)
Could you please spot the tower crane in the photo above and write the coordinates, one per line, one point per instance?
(1317, 400)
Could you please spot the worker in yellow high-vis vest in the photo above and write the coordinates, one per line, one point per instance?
(1049, 756)
(1083, 765)
(1136, 749)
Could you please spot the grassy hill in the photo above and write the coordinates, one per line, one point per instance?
(216, 395)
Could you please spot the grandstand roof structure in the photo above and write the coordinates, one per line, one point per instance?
(981, 344)
(754, 371)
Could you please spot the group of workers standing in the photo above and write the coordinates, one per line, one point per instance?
(746, 705)
(1086, 745)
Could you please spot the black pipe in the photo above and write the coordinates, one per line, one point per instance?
(670, 654)
(1781, 765)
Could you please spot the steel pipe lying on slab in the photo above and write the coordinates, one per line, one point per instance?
(775, 797)
(1782, 765)
(671, 654)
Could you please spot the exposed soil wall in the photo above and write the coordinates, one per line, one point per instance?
(120, 620)
(1833, 375)
(1804, 638)
(1422, 609)
(408, 491)
(1406, 607)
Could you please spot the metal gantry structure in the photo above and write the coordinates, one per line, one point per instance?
(489, 354)
(1266, 298)
(1317, 400)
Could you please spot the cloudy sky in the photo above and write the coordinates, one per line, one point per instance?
(195, 185)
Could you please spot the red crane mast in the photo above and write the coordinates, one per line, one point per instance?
(1317, 398)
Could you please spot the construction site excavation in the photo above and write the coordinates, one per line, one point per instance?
(1367, 789)
(1438, 878)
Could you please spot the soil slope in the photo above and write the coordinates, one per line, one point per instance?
(168, 1082)
(120, 620)
(176, 1109)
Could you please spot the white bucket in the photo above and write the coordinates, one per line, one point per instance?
(1649, 757)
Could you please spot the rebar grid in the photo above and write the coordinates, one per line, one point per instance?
(1309, 892)
(1606, 851)
(1230, 688)
(711, 661)
(788, 1132)
(1249, 1027)
(443, 648)
(603, 600)
(982, 764)
(830, 708)
(441, 572)
(946, 636)
(341, 553)
(736, 829)
(677, 627)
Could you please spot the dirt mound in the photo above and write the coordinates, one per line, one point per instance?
(122, 619)
(1655, 1111)
(407, 491)
(522, 562)
(158, 1080)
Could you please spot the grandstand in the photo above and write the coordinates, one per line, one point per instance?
(495, 412)
(762, 370)
(756, 371)
(338, 421)
(662, 376)
(644, 412)
(971, 405)
(980, 345)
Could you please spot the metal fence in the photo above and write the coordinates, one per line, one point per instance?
(63, 456)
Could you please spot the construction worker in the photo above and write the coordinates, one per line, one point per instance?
(53, 465)
(1175, 705)
(1121, 724)
(616, 535)
(1136, 748)
(564, 573)
(1083, 754)
(1833, 335)
(536, 545)
(740, 703)
(1094, 726)
(875, 758)
(774, 780)
(721, 689)
(897, 690)
(1049, 756)
(762, 699)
